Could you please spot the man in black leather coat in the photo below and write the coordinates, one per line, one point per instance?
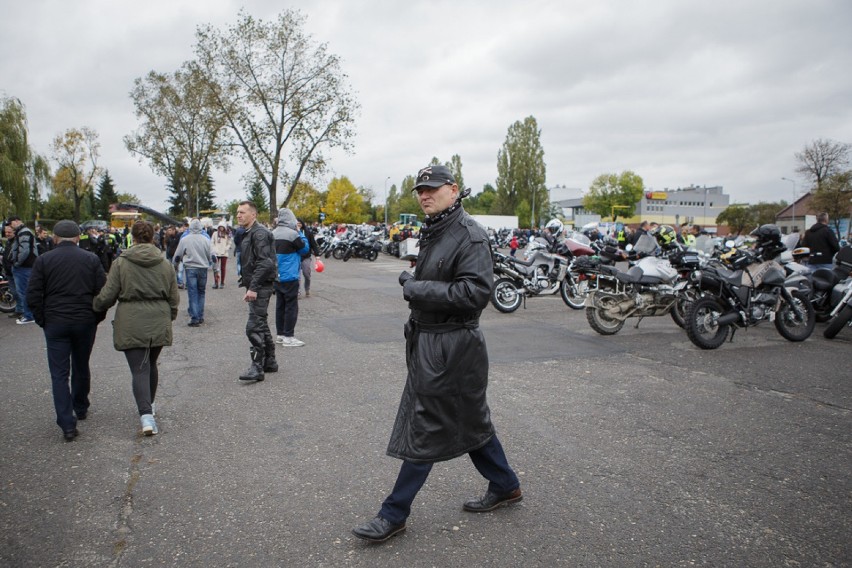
(444, 413)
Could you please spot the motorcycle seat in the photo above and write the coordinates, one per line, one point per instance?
(636, 276)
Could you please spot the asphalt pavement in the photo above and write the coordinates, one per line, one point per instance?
(637, 449)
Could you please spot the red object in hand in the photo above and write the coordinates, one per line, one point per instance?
(319, 266)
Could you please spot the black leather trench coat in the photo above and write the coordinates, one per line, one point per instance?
(443, 412)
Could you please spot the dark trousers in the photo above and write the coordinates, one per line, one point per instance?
(286, 307)
(68, 349)
(257, 325)
(146, 377)
(489, 460)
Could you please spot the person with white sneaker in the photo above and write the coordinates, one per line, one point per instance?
(143, 283)
(289, 248)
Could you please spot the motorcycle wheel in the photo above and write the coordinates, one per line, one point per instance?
(791, 328)
(838, 322)
(7, 300)
(338, 253)
(505, 296)
(372, 255)
(682, 304)
(576, 300)
(347, 255)
(597, 317)
(701, 326)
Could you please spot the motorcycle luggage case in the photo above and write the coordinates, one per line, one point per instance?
(844, 257)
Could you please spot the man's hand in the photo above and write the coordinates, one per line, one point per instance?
(404, 277)
(250, 296)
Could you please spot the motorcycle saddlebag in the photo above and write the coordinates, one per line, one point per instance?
(844, 257)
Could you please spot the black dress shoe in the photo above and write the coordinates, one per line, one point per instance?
(491, 501)
(377, 530)
(70, 434)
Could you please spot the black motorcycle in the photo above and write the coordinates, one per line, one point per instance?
(363, 248)
(824, 280)
(756, 290)
(7, 298)
(840, 295)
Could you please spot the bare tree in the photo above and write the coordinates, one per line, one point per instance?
(284, 98)
(821, 159)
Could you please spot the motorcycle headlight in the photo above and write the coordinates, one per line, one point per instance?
(695, 276)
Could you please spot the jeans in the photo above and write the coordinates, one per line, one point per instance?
(146, 377)
(180, 273)
(69, 346)
(489, 461)
(22, 281)
(286, 307)
(196, 286)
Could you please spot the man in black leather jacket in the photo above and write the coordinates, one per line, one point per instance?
(257, 275)
(444, 413)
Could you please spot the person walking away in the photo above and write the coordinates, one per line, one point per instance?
(24, 254)
(9, 235)
(308, 235)
(823, 243)
(196, 252)
(143, 283)
(289, 247)
(443, 413)
(221, 242)
(257, 275)
(62, 285)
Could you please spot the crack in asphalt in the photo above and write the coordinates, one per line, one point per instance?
(791, 395)
(123, 528)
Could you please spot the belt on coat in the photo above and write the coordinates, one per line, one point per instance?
(445, 327)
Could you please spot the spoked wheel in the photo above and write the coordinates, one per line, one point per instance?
(338, 253)
(505, 296)
(574, 292)
(796, 322)
(701, 325)
(682, 305)
(7, 300)
(598, 318)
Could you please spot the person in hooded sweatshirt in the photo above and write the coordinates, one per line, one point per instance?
(196, 251)
(289, 248)
(823, 243)
(144, 285)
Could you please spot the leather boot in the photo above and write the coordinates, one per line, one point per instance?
(270, 365)
(255, 371)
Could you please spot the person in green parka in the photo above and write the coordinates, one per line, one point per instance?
(143, 283)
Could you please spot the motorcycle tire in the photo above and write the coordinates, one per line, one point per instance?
(788, 326)
(682, 305)
(327, 253)
(506, 296)
(347, 255)
(701, 327)
(574, 300)
(598, 319)
(372, 255)
(7, 300)
(838, 322)
(338, 253)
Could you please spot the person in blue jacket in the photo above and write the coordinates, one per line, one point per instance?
(289, 248)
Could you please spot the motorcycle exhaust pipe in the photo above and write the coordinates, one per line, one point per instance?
(728, 318)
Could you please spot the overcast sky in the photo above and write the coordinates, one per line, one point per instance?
(681, 92)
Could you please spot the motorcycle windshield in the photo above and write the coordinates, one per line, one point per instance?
(703, 243)
(645, 245)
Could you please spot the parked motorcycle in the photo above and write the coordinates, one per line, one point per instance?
(543, 273)
(7, 298)
(651, 287)
(363, 248)
(823, 280)
(756, 290)
(840, 296)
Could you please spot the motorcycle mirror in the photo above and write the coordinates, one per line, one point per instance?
(628, 248)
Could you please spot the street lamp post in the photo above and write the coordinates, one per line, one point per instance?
(386, 201)
(793, 211)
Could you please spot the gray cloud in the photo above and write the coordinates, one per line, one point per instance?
(680, 92)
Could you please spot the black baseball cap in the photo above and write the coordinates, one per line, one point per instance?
(434, 176)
